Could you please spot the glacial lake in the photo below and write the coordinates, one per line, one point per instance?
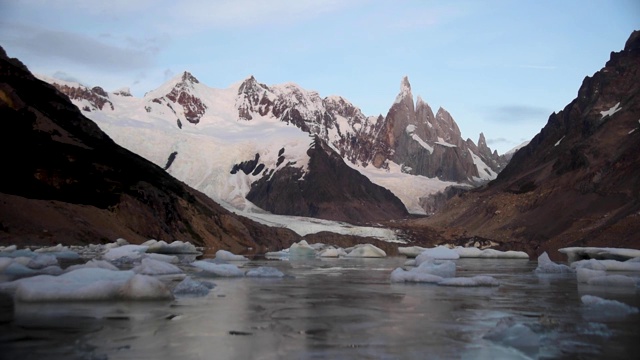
(340, 309)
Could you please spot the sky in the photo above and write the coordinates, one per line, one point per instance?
(499, 67)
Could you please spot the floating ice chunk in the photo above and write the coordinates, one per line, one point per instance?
(607, 307)
(468, 252)
(190, 287)
(125, 252)
(265, 271)
(150, 266)
(609, 265)
(142, 287)
(51, 270)
(228, 256)
(176, 247)
(42, 261)
(301, 249)
(508, 332)
(604, 253)
(18, 270)
(4, 262)
(411, 251)
(277, 254)
(163, 257)
(223, 270)
(318, 246)
(546, 266)
(445, 269)
(438, 253)
(509, 254)
(18, 253)
(585, 274)
(366, 251)
(332, 252)
(410, 262)
(400, 275)
(591, 264)
(613, 280)
(93, 263)
(87, 284)
(8, 248)
(479, 280)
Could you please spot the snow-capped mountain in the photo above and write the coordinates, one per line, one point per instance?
(203, 135)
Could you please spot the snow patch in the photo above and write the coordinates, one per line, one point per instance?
(614, 109)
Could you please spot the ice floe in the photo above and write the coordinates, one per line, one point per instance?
(190, 287)
(149, 266)
(332, 252)
(301, 249)
(222, 270)
(609, 265)
(437, 253)
(229, 256)
(125, 253)
(606, 307)
(176, 247)
(546, 266)
(411, 251)
(366, 251)
(599, 253)
(89, 284)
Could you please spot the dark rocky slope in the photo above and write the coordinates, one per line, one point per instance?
(65, 181)
(330, 189)
(577, 183)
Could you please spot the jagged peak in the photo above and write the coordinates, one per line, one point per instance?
(482, 139)
(188, 77)
(250, 83)
(405, 90)
(442, 112)
(633, 42)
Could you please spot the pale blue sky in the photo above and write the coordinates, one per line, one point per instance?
(500, 67)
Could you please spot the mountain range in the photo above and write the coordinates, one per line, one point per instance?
(257, 147)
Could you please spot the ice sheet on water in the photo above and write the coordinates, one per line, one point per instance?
(265, 272)
(478, 280)
(42, 261)
(18, 253)
(599, 253)
(546, 266)
(149, 266)
(438, 253)
(222, 270)
(366, 251)
(606, 308)
(228, 256)
(190, 287)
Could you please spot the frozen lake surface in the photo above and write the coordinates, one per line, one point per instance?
(340, 309)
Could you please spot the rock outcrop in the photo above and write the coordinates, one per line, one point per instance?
(577, 183)
(328, 189)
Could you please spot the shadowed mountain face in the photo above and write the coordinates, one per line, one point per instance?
(64, 180)
(577, 183)
(329, 190)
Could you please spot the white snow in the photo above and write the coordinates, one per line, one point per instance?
(366, 251)
(411, 132)
(559, 141)
(222, 270)
(228, 256)
(546, 266)
(484, 171)
(517, 147)
(614, 109)
(444, 143)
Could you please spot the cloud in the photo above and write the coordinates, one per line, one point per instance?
(500, 140)
(81, 49)
(61, 75)
(518, 113)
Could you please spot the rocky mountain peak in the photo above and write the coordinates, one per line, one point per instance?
(183, 94)
(187, 77)
(405, 92)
